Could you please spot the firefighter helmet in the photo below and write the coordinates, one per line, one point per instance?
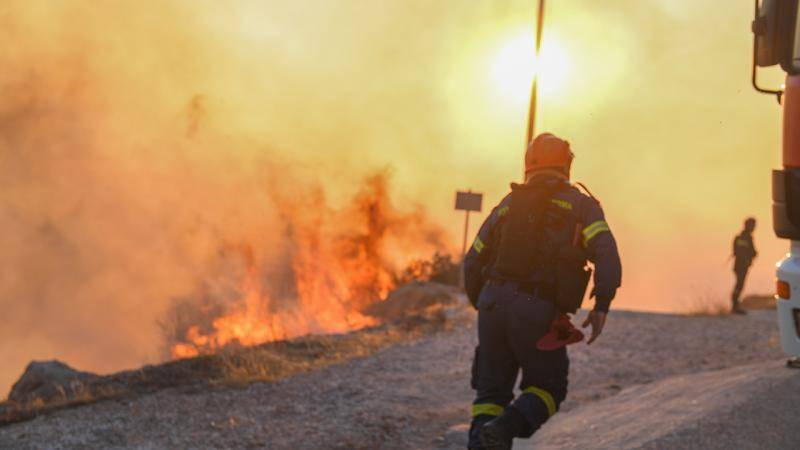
(548, 151)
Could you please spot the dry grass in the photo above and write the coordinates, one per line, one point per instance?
(416, 310)
(232, 367)
(286, 358)
(761, 301)
(708, 306)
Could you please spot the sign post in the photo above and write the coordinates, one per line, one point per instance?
(467, 201)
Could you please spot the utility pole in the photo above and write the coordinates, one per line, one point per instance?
(534, 89)
(466, 233)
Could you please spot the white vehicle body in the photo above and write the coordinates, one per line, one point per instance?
(789, 309)
(777, 42)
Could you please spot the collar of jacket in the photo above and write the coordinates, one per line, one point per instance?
(546, 176)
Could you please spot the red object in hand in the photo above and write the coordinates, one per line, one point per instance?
(562, 333)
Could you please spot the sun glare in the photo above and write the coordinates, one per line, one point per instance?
(514, 66)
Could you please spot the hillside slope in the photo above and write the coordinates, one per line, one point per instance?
(404, 396)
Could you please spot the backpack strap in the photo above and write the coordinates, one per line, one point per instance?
(586, 191)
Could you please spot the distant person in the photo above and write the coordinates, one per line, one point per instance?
(525, 268)
(743, 253)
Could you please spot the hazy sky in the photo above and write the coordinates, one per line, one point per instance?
(134, 140)
(656, 101)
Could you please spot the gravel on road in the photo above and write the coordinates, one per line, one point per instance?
(746, 407)
(405, 396)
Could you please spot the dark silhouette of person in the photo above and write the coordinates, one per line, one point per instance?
(743, 253)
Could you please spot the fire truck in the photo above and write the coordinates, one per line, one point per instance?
(777, 42)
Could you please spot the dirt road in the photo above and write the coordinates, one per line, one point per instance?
(405, 396)
(746, 407)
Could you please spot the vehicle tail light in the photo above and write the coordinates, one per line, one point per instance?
(783, 290)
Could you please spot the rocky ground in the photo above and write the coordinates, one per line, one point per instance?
(404, 396)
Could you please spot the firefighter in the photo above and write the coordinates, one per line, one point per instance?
(743, 253)
(511, 279)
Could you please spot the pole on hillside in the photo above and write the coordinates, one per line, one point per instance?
(466, 230)
(534, 88)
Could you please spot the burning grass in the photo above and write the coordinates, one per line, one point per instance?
(296, 302)
(233, 366)
(329, 264)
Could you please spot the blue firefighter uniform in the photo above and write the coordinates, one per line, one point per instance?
(514, 312)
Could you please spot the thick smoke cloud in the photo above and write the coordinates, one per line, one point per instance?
(136, 141)
(138, 144)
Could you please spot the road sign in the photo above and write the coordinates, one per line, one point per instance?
(469, 201)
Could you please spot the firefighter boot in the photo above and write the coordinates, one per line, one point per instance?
(499, 433)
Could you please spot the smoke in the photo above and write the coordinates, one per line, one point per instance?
(679, 148)
(137, 144)
(655, 99)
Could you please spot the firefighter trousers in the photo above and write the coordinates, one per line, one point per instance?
(510, 322)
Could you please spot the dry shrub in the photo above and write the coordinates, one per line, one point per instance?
(440, 268)
(707, 306)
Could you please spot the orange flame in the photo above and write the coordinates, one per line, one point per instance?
(332, 276)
